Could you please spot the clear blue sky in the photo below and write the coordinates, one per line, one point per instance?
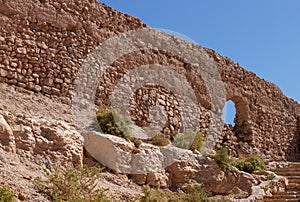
(263, 36)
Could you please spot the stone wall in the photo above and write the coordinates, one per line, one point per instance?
(43, 44)
(266, 118)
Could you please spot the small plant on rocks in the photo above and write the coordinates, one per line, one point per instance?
(250, 165)
(160, 140)
(190, 140)
(270, 176)
(106, 120)
(6, 194)
(222, 158)
(198, 141)
(190, 193)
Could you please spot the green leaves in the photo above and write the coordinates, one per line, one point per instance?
(190, 193)
(189, 140)
(6, 194)
(223, 159)
(108, 119)
(250, 165)
(73, 185)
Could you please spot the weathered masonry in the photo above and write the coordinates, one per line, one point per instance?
(42, 45)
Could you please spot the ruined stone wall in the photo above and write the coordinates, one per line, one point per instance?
(266, 118)
(44, 43)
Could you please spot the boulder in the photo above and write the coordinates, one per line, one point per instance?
(160, 179)
(166, 166)
(25, 139)
(7, 139)
(62, 142)
(207, 172)
(35, 137)
(122, 156)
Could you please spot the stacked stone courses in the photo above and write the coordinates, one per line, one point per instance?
(44, 43)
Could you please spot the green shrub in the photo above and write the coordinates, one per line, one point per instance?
(189, 140)
(160, 140)
(6, 194)
(250, 165)
(197, 142)
(106, 120)
(223, 199)
(191, 193)
(107, 123)
(195, 192)
(159, 195)
(137, 142)
(184, 140)
(222, 158)
(270, 176)
(73, 185)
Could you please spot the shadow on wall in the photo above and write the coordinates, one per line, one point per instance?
(298, 135)
(295, 154)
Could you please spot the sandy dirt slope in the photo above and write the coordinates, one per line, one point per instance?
(19, 170)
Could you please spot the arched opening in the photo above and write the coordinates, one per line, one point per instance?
(236, 115)
(229, 113)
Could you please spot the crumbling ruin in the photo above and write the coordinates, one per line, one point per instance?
(44, 43)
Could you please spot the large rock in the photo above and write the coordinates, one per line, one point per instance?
(42, 140)
(207, 172)
(160, 179)
(62, 142)
(25, 140)
(165, 166)
(7, 139)
(122, 156)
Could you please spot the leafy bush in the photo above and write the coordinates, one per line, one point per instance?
(108, 124)
(223, 199)
(158, 195)
(222, 158)
(6, 194)
(270, 176)
(183, 140)
(197, 142)
(190, 140)
(191, 193)
(106, 120)
(73, 185)
(250, 165)
(160, 140)
(137, 142)
(195, 192)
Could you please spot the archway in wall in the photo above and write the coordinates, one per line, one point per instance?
(229, 113)
(237, 115)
